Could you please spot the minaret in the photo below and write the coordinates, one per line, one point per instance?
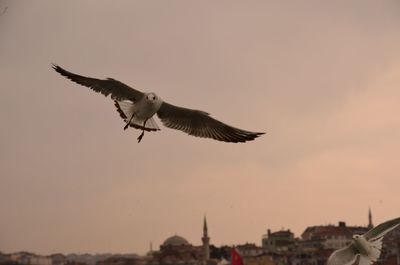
(206, 241)
(370, 225)
(150, 253)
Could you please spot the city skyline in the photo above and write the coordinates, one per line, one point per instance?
(320, 78)
(205, 236)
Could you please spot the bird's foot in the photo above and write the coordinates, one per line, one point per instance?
(140, 137)
(129, 122)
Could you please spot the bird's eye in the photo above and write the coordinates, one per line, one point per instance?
(154, 98)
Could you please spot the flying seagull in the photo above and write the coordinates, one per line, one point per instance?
(137, 110)
(367, 247)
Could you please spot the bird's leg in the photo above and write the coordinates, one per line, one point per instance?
(129, 122)
(142, 134)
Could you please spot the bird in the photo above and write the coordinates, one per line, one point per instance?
(137, 109)
(367, 247)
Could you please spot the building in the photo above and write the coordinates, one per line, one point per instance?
(370, 224)
(27, 258)
(278, 241)
(6, 259)
(123, 260)
(334, 237)
(250, 250)
(331, 236)
(87, 258)
(261, 259)
(206, 242)
(177, 250)
(58, 259)
(316, 243)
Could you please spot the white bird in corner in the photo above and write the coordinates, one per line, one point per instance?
(137, 110)
(366, 247)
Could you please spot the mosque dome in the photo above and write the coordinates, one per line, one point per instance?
(175, 241)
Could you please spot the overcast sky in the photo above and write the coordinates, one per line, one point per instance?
(320, 78)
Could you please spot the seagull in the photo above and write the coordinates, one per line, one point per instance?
(367, 246)
(137, 109)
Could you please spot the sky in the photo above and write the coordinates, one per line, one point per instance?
(320, 78)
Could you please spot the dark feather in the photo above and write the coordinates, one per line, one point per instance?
(199, 123)
(117, 89)
(380, 230)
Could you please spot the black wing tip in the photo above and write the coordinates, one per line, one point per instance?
(258, 134)
(231, 136)
(55, 66)
(243, 136)
(249, 137)
(59, 69)
(236, 137)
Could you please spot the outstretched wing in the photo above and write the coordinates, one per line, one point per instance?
(343, 256)
(199, 123)
(117, 89)
(382, 229)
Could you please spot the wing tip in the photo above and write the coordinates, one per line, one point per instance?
(55, 66)
(239, 138)
(251, 136)
(59, 70)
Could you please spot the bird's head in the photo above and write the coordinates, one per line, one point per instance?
(356, 237)
(151, 97)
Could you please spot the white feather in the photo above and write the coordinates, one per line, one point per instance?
(375, 250)
(364, 260)
(129, 108)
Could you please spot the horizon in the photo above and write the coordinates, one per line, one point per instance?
(298, 236)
